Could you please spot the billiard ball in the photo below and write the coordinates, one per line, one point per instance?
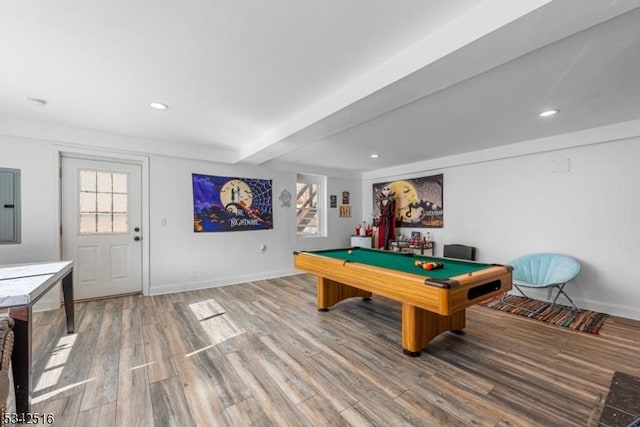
(350, 252)
(417, 263)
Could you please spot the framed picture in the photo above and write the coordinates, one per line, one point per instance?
(333, 201)
(418, 201)
(345, 211)
(223, 203)
(345, 197)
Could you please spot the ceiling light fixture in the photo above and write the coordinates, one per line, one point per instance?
(38, 101)
(375, 156)
(549, 113)
(159, 106)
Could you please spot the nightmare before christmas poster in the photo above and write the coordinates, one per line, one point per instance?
(222, 203)
(418, 201)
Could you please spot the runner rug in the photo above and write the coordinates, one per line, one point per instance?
(555, 314)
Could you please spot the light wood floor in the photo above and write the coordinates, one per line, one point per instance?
(261, 354)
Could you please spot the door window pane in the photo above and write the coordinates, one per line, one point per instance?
(119, 203)
(87, 202)
(104, 224)
(87, 180)
(87, 223)
(120, 223)
(103, 202)
(119, 182)
(104, 182)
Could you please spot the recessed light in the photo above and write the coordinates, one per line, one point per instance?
(375, 156)
(159, 106)
(548, 113)
(38, 101)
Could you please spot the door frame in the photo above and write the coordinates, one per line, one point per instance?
(113, 156)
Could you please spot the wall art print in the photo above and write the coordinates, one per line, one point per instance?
(418, 201)
(223, 203)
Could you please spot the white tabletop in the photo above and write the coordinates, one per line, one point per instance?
(23, 284)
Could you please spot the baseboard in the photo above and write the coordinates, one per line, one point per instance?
(608, 308)
(612, 309)
(170, 288)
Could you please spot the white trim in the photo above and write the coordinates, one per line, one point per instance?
(612, 309)
(600, 135)
(227, 281)
(586, 304)
(63, 150)
(79, 140)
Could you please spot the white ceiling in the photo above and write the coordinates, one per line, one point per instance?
(321, 83)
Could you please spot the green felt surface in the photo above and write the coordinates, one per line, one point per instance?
(401, 262)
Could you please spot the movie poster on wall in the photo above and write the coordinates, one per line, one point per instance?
(223, 203)
(418, 201)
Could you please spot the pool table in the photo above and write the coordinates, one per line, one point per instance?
(432, 301)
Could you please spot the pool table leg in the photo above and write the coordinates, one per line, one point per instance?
(331, 292)
(420, 326)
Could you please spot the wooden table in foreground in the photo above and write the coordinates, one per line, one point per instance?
(20, 287)
(432, 301)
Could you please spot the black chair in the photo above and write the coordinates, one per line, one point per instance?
(459, 252)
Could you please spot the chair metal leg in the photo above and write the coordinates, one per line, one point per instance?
(520, 290)
(561, 291)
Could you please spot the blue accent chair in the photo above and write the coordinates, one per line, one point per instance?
(545, 270)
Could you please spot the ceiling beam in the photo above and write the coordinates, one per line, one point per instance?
(472, 25)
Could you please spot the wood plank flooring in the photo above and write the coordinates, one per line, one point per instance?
(261, 354)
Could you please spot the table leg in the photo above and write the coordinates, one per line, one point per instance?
(21, 357)
(67, 294)
(420, 326)
(330, 292)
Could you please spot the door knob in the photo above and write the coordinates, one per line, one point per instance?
(137, 238)
(137, 229)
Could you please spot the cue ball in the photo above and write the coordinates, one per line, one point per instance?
(350, 252)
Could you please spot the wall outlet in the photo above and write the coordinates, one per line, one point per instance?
(194, 274)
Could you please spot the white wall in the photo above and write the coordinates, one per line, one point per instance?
(505, 207)
(39, 195)
(179, 259)
(182, 259)
(517, 205)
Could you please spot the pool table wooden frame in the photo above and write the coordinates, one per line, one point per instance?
(429, 306)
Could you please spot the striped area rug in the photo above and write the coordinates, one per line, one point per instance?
(561, 315)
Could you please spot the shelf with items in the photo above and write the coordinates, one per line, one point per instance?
(422, 247)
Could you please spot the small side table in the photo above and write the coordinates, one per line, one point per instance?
(361, 241)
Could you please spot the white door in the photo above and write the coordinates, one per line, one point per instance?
(101, 226)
